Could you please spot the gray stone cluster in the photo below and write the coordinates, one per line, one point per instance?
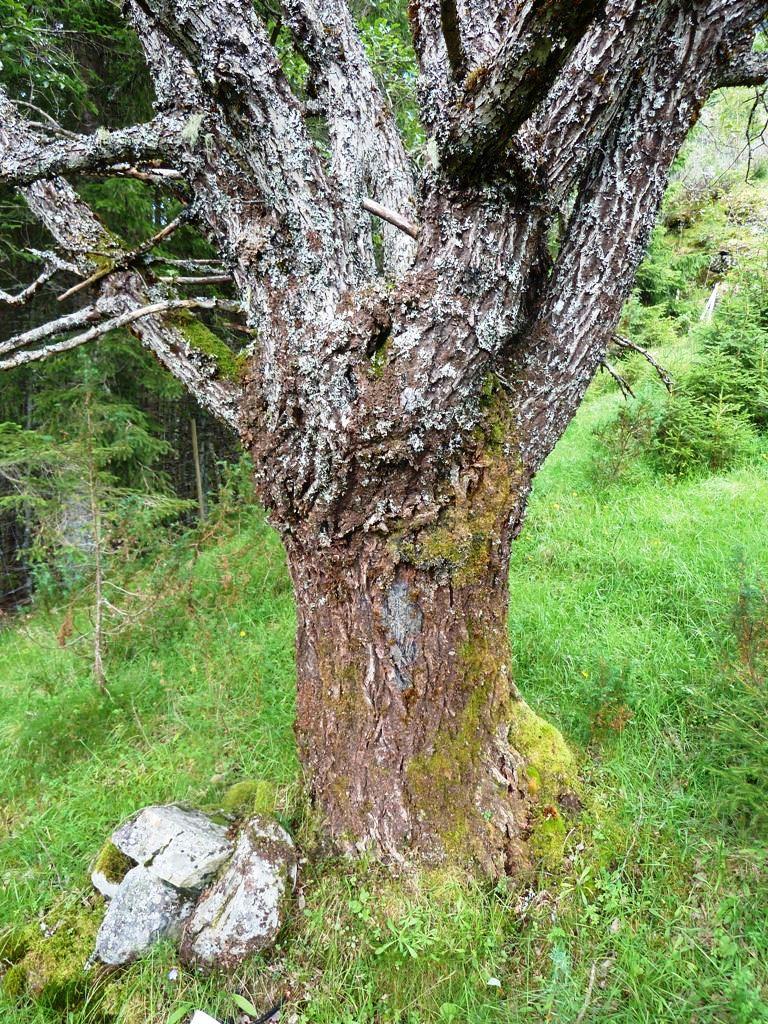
(221, 897)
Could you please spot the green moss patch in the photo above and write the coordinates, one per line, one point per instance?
(547, 840)
(229, 365)
(550, 764)
(251, 796)
(112, 864)
(52, 970)
(14, 943)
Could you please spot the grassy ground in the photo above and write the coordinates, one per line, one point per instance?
(639, 623)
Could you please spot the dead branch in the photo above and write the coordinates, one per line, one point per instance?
(745, 68)
(64, 323)
(112, 324)
(624, 387)
(621, 342)
(54, 264)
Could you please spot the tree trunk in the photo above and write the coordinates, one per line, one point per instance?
(414, 738)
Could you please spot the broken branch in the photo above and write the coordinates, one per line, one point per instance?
(129, 258)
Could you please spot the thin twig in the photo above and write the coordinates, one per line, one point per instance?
(208, 279)
(622, 342)
(54, 264)
(588, 995)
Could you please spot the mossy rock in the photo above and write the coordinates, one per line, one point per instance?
(251, 796)
(112, 863)
(52, 971)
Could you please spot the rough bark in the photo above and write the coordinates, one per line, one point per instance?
(416, 741)
(396, 423)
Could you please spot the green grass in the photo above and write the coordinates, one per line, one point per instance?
(638, 625)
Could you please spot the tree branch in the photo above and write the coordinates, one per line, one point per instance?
(745, 69)
(59, 326)
(86, 242)
(454, 47)
(32, 159)
(99, 330)
(621, 342)
(620, 193)
(390, 217)
(368, 156)
(259, 182)
(623, 384)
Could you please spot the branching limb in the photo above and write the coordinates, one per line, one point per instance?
(608, 231)
(745, 69)
(622, 342)
(557, 142)
(87, 243)
(33, 160)
(499, 96)
(64, 323)
(259, 183)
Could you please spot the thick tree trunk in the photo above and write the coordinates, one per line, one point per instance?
(415, 741)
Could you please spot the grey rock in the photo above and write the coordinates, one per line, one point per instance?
(183, 848)
(107, 888)
(245, 909)
(143, 911)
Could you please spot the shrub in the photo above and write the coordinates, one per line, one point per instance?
(715, 416)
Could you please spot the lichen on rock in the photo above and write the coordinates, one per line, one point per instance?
(182, 847)
(144, 911)
(245, 909)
